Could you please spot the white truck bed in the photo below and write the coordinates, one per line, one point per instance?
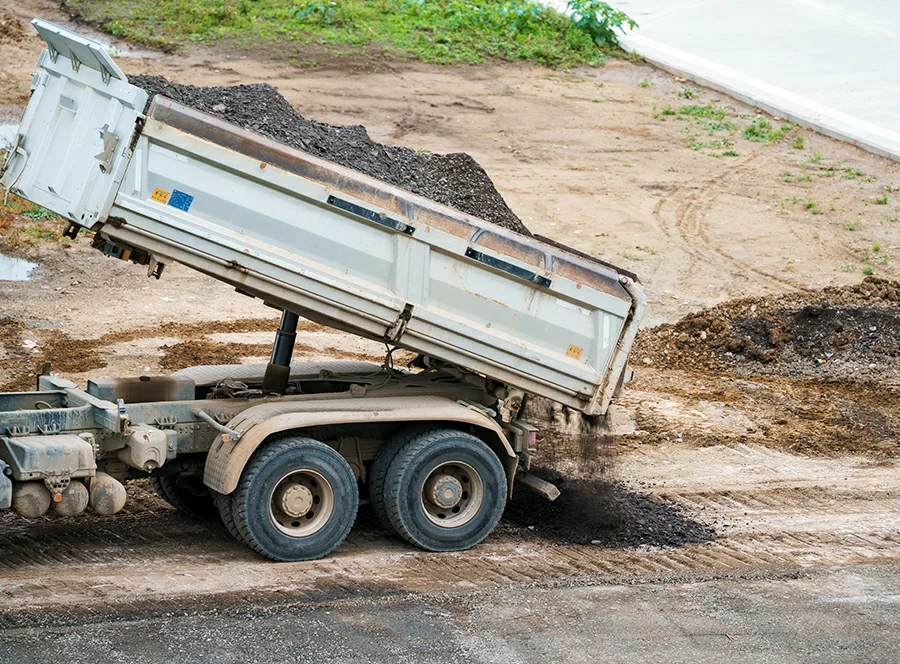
(307, 235)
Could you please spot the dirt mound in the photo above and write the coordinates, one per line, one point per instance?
(603, 513)
(840, 333)
(11, 29)
(452, 179)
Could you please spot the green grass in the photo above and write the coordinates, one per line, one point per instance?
(815, 158)
(799, 142)
(762, 131)
(790, 177)
(688, 92)
(647, 250)
(645, 83)
(710, 110)
(440, 31)
(868, 271)
(881, 200)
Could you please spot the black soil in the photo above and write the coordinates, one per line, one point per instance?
(454, 179)
(603, 513)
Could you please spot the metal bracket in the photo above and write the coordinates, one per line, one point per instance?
(76, 63)
(398, 327)
(110, 143)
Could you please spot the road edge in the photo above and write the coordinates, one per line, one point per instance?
(767, 97)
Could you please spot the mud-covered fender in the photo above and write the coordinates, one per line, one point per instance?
(226, 460)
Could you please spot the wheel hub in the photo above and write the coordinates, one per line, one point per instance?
(296, 500)
(444, 490)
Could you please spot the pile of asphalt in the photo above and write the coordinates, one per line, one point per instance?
(454, 179)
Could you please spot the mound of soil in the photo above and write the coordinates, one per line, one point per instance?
(11, 28)
(603, 513)
(452, 179)
(841, 333)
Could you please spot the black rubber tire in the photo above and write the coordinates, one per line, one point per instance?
(265, 469)
(225, 505)
(378, 473)
(406, 477)
(187, 494)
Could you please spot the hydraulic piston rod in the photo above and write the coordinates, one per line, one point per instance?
(278, 371)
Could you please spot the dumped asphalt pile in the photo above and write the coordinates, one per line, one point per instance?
(455, 179)
(603, 513)
(839, 333)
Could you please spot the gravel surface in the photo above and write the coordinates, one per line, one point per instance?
(452, 179)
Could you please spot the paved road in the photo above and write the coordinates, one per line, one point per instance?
(841, 53)
(847, 614)
(832, 62)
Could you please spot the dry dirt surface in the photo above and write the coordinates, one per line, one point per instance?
(761, 441)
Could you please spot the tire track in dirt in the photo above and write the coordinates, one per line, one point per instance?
(687, 226)
(161, 556)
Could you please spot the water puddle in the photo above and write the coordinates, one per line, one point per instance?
(15, 269)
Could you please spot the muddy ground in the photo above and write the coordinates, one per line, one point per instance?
(758, 439)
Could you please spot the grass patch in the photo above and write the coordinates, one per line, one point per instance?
(710, 110)
(799, 142)
(645, 83)
(762, 131)
(22, 224)
(881, 200)
(446, 32)
(790, 177)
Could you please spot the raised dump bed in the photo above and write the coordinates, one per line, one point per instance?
(312, 237)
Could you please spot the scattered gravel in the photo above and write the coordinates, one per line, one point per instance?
(452, 179)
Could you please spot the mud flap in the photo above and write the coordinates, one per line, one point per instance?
(5, 487)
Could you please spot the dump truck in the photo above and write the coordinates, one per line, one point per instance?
(282, 453)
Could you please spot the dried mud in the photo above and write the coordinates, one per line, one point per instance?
(11, 29)
(452, 179)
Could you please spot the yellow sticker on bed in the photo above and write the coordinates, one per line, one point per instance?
(161, 195)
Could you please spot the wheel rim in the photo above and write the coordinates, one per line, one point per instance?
(452, 494)
(301, 503)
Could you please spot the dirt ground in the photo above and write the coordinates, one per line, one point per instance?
(759, 461)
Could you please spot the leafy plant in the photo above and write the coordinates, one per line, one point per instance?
(599, 20)
(881, 200)
(868, 270)
(688, 92)
(762, 131)
(327, 13)
(645, 83)
(799, 141)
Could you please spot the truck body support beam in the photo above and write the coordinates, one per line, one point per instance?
(278, 371)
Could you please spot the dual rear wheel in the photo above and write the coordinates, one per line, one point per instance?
(442, 490)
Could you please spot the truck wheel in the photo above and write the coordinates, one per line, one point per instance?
(187, 494)
(296, 500)
(225, 506)
(445, 491)
(380, 465)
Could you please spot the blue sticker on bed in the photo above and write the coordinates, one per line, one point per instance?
(180, 200)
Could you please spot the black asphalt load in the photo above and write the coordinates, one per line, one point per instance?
(454, 179)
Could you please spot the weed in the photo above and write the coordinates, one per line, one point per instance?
(648, 250)
(852, 226)
(789, 177)
(881, 200)
(599, 20)
(761, 131)
(645, 83)
(710, 110)
(730, 153)
(799, 141)
(668, 110)
(688, 92)
(868, 270)
(630, 257)
(812, 206)
(815, 158)
(846, 267)
(851, 173)
(717, 125)
(596, 101)
(38, 212)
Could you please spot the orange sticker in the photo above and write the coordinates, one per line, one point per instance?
(161, 195)
(574, 351)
